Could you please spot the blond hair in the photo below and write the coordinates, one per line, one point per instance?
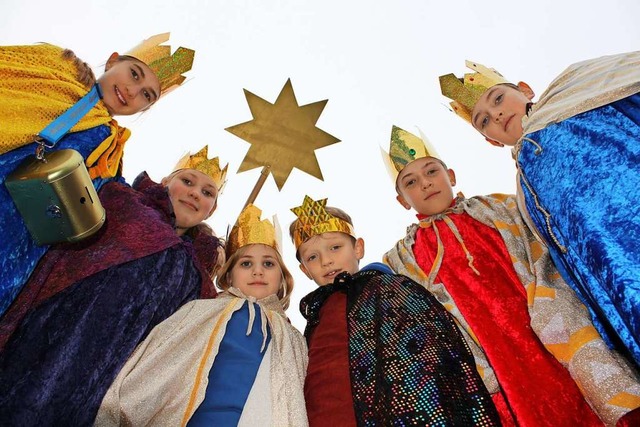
(286, 286)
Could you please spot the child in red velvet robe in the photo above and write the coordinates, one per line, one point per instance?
(534, 343)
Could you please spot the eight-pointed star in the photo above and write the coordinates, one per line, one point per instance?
(283, 135)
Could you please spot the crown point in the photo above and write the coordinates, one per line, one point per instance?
(200, 162)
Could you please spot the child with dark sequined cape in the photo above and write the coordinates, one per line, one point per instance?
(382, 350)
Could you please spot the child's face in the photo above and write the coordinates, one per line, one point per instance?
(257, 272)
(128, 86)
(193, 197)
(498, 113)
(426, 186)
(326, 255)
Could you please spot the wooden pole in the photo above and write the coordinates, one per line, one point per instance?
(256, 189)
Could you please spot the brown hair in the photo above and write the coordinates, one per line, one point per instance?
(85, 73)
(286, 286)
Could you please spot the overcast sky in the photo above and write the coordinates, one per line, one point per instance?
(377, 62)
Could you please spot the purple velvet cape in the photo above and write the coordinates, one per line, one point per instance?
(88, 305)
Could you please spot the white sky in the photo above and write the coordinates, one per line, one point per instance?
(377, 62)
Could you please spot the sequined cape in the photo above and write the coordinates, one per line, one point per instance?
(37, 84)
(578, 164)
(90, 304)
(165, 380)
(409, 365)
(552, 306)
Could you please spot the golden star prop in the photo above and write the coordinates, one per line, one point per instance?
(283, 135)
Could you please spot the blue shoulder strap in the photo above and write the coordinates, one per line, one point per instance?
(60, 126)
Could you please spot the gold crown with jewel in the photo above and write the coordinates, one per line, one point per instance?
(465, 92)
(404, 148)
(167, 67)
(250, 230)
(201, 162)
(313, 219)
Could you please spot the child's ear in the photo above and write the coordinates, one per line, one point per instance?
(305, 271)
(112, 60)
(165, 180)
(526, 90)
(452, 177)
(494, 142)
(359, 248)
(403, 202)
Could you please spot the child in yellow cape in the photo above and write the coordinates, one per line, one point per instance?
(37, 84)
(235, 360)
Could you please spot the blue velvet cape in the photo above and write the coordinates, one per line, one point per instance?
(19, 253)
(586, 176)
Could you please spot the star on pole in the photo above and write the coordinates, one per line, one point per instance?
(283, 135)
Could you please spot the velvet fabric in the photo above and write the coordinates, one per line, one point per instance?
(536, 388)
(408, 363)
(232, 376)
(82, 328)
(586, 175)
(19, 253)
(141, 210)
(327, 386)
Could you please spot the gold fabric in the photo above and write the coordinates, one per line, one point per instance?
(106, 160)
(249, 230)
(201, 162)
(561, 322)
(167, 67)
(583, 87)
(36, 86)
(165, 380)
(313, 219)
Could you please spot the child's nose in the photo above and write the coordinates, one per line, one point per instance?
(326, 260)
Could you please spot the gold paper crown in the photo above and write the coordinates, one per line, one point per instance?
(466, 94)
(201, 162)
(404, 148)
(313, 219)
(249, 230)
(167, 67)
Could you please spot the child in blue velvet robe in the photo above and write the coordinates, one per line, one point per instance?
(578, 157)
